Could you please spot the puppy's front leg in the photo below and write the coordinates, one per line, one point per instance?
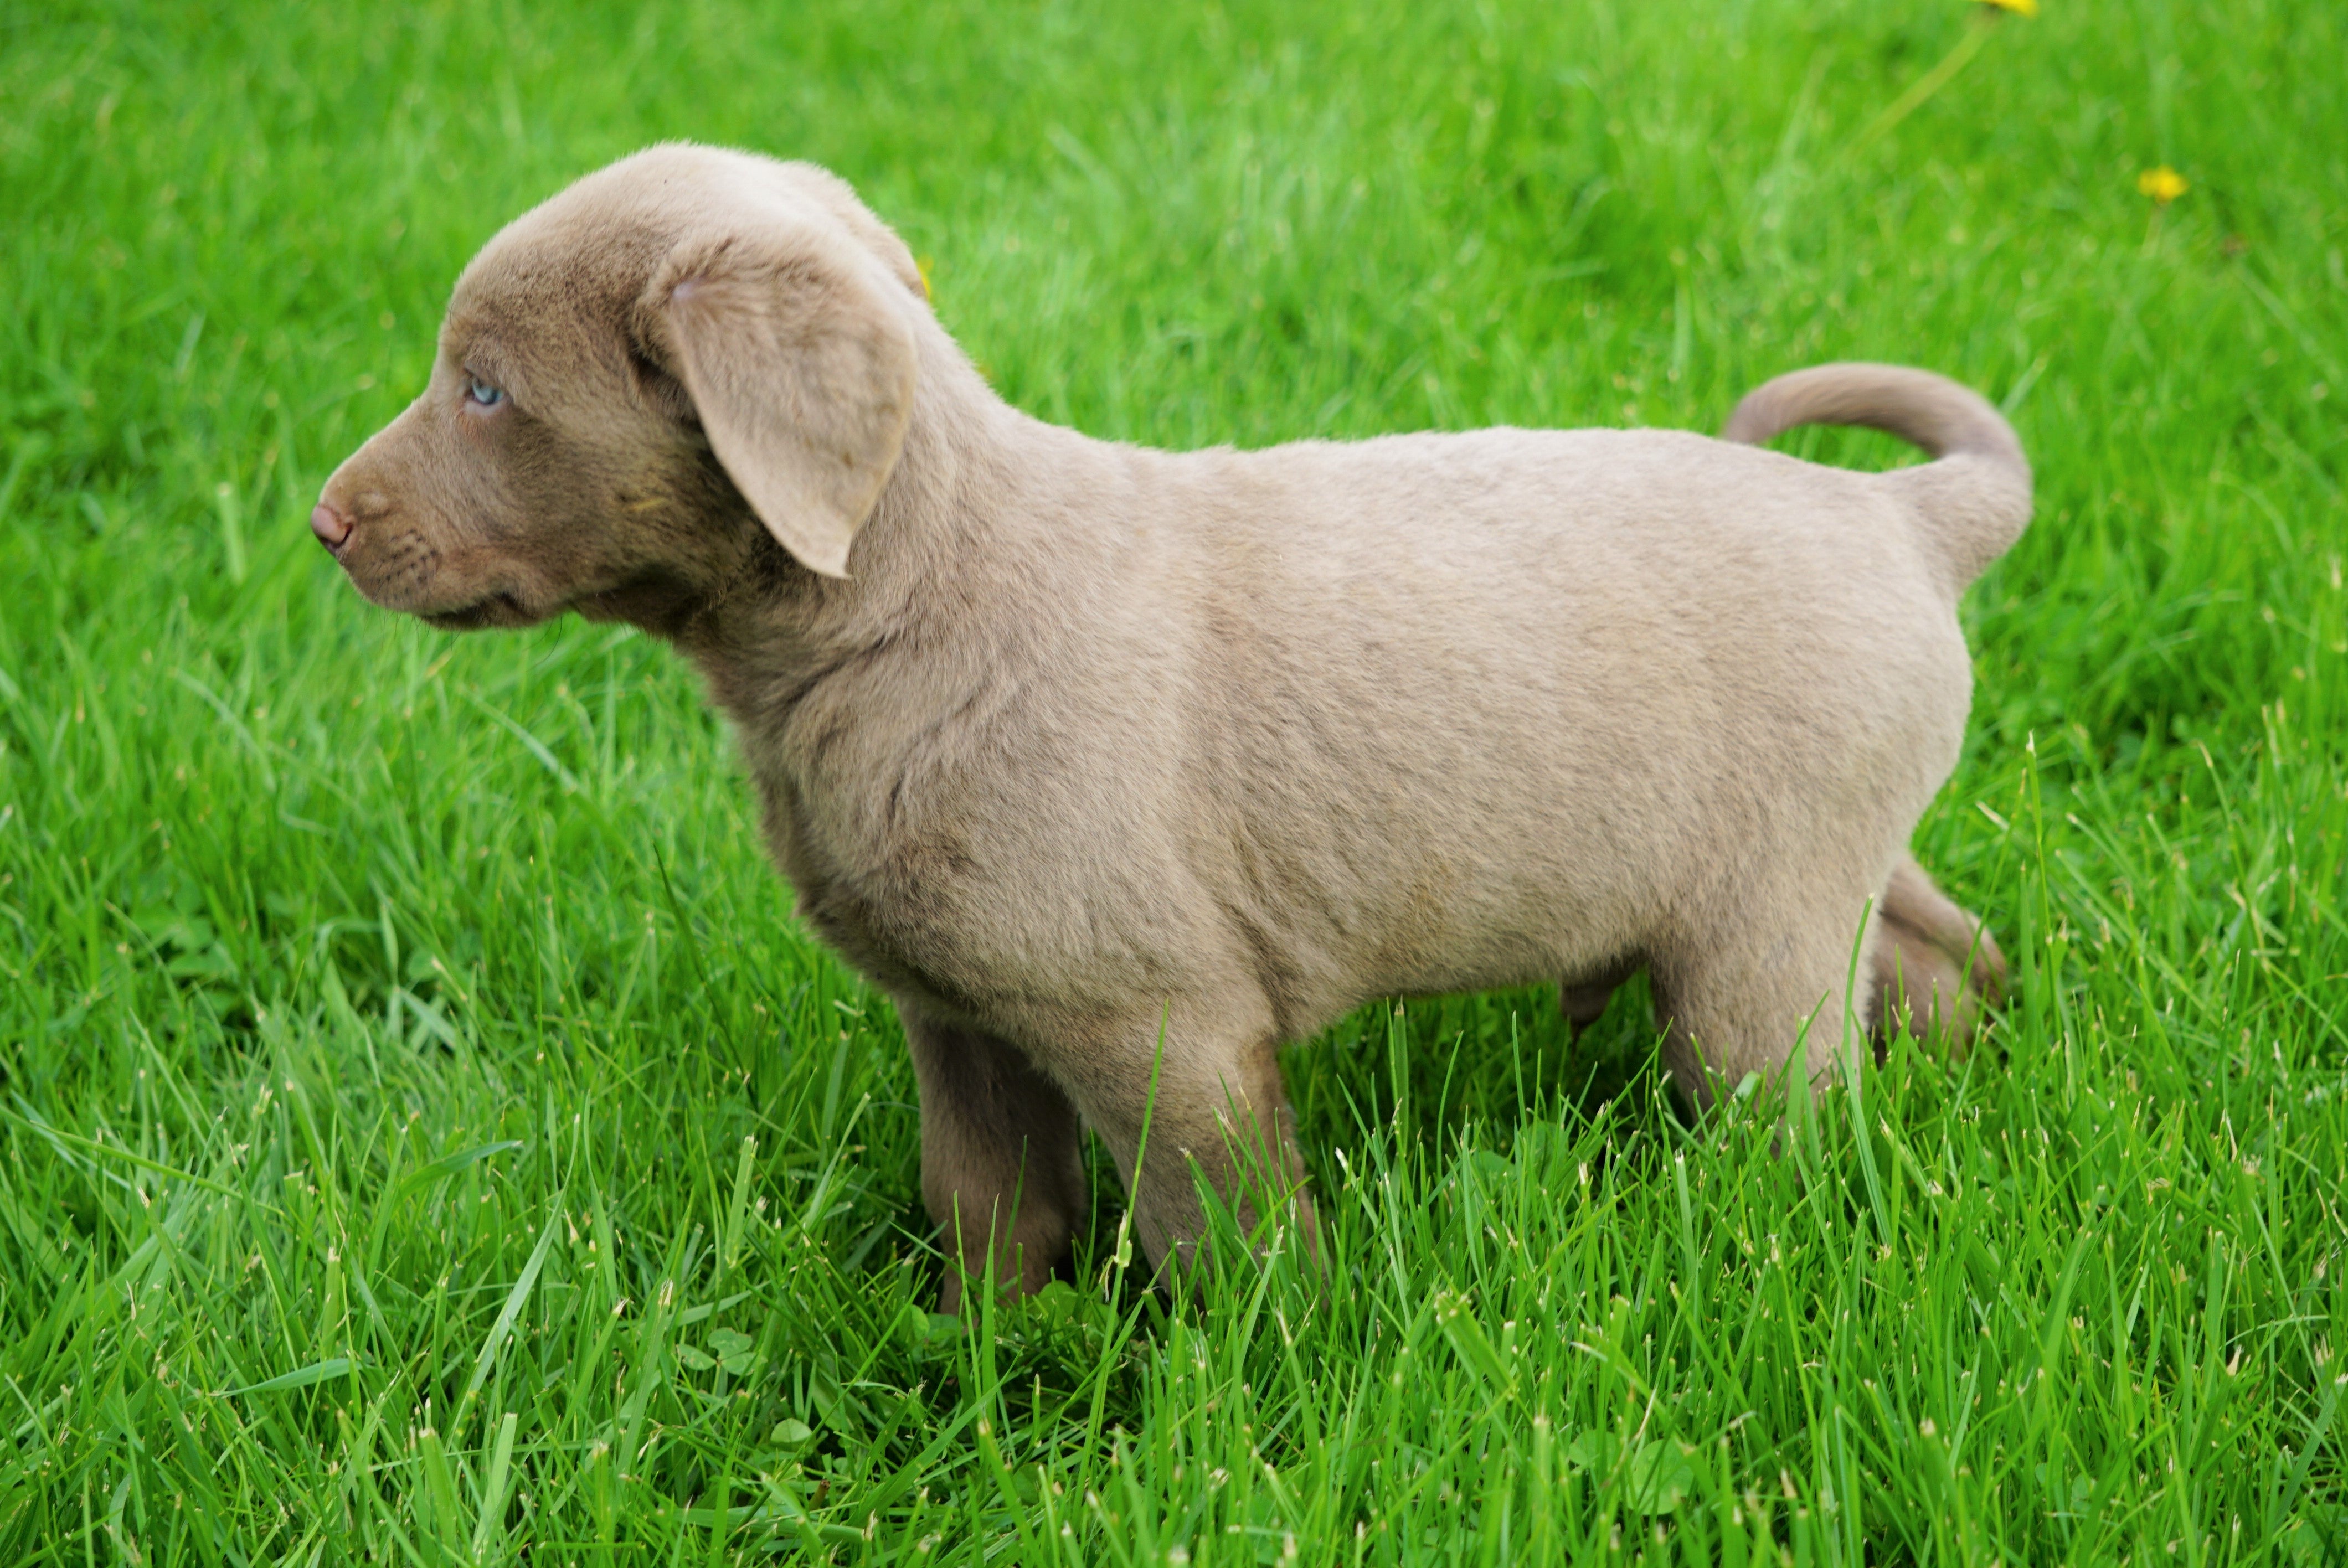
(1002, 1167)
(1190, 1102)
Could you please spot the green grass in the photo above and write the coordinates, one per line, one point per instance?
(429, 1138)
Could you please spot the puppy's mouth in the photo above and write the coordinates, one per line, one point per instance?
(501, 609)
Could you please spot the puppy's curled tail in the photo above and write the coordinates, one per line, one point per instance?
(1975, 496)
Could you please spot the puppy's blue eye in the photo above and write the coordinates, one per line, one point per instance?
(482, 393)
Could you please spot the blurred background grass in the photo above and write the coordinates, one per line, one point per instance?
(383, 1014)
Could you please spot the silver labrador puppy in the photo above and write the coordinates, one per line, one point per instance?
(1118, 768)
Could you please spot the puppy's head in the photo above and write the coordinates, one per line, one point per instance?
(632, 381)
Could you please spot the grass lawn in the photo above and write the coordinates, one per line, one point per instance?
(429, 1139)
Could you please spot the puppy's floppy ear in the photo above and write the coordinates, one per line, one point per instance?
(801, 365)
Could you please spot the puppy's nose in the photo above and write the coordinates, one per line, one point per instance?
(331, 526)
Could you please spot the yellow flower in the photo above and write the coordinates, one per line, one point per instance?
(2163, 184)
(2019, 7)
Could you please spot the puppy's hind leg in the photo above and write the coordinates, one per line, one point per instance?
(1741, 997)
(1002, 1167)
(1583, 1001)
(1935, 965)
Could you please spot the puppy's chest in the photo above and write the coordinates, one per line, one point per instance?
(890, 898)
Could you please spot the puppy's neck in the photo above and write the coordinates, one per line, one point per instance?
(776, 631)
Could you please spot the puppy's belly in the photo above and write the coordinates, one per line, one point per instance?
(1313, 969)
